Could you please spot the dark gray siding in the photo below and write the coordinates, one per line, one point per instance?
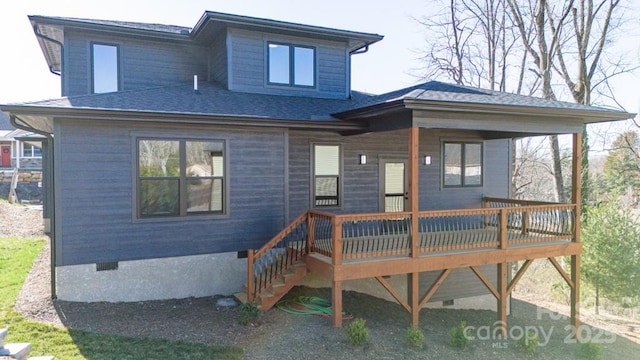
(361, 185)
(143, 63)
(94, 205)
(248, 62)
(218, 70)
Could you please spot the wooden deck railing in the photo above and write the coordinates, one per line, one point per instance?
(267, 264)
(500, 224)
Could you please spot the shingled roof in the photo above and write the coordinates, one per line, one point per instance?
(213, 100)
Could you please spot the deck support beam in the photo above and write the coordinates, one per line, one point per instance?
(503, 297)
(336, 299)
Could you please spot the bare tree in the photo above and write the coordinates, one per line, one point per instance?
(472, 42)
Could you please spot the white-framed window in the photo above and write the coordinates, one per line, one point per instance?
(462, 164)
(180, 177)
(291, 65)
(105, 68)
(31, 151)
(327, 175)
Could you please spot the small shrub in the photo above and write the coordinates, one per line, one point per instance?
(415, 336)
(357, 332)
(590, 350)
(250, 312)
(460, 336)
(528, 342)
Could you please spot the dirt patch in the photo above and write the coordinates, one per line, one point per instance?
(20, 220)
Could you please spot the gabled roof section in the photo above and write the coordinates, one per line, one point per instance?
(211, 22)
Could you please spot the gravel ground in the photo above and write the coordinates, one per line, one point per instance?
(278, 335)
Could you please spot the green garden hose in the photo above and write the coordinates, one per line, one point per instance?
(309, 305)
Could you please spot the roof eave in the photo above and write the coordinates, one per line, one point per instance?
(588, 116)
(170, 117)
(356, 40)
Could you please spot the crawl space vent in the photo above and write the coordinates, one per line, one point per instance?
(105, 266)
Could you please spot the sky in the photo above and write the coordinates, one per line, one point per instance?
(390, 64)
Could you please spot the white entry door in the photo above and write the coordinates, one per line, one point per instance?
(393, 185)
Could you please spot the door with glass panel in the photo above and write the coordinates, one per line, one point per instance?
(393, 185)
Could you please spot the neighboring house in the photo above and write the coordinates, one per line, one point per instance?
(19, 149)
(163, 181)
(20, 153)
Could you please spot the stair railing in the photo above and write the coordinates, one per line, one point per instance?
(268, 263)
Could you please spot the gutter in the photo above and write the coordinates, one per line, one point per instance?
(36, 30)
(20, 124)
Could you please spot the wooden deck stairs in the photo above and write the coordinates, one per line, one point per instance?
(278, 288)
(276, 267)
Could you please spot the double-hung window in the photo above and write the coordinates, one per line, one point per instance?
(181, 177)
(462, 165)
(105, 73)
(291, 65)
(326, 175)
(30, 151)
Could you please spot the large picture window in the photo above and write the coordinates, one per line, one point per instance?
(180, 177)
(462, 165)
(326, 175)
(105, 68)
(291, 65)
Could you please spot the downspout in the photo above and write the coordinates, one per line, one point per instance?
(50, 160)
(42, 36)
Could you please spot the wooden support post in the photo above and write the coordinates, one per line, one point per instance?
(413, 283)
(414, 297)
(576, 199)
(311, 231)
(250, 279)
(337, 241)
(503, 229)
(575, 293)
(503, 296)
(336, 300)
(414, 202)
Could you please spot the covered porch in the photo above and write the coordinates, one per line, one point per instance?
(344, 247)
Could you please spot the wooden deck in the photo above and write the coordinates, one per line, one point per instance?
(360, 246)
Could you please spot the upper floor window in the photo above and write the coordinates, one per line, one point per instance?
(105, 68)
(326, 175)
(30, 151)
(291, 65)
(463, 164)
(180, 177)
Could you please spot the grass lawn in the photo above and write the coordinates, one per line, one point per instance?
(16, 257)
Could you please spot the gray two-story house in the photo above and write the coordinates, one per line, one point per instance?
(176, 150)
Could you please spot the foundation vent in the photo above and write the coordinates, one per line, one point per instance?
(106, 266)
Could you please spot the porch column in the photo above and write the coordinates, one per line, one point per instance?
(576, 199)
(412, 281)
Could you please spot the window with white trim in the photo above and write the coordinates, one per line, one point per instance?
(291, 65)
(181, 177)
(327, 171)
(31, 151)
(462, 164)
